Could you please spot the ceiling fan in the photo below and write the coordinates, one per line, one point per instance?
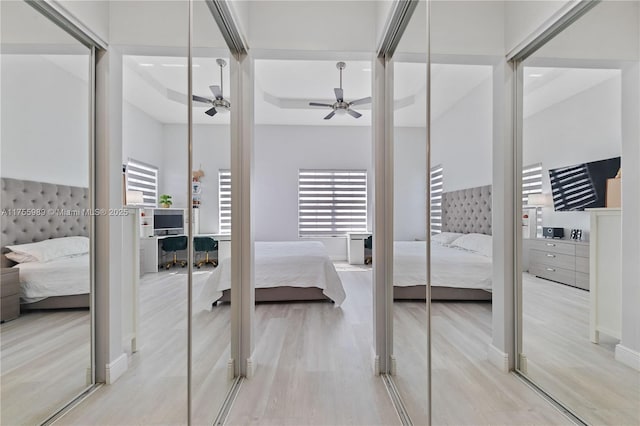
(340, 106)
(220, 104)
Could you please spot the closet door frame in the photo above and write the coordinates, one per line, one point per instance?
(60, 17)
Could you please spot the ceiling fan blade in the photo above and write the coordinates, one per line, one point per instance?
(366, 100)
(354, 114)
(339, 94)
(217, 92)
(319, 104)
(211, 111)
(331, 114)
(201, 99)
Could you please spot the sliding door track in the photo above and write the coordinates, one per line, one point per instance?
(396, 400)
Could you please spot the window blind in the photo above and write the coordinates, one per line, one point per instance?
(436, 184)
(224, 201)
(144, 178)
(532, 184)
(331, 202)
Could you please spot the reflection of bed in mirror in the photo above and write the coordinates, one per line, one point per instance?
(284, 271)
(44, 212)
(461, 266)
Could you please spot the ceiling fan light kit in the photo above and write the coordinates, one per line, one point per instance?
(219, 103)
(341, 107)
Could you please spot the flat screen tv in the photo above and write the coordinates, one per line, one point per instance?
(166, 221)
(582, 186)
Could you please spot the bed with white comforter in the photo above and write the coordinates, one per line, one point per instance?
(58, 277)
(284, 264)
(461, 269)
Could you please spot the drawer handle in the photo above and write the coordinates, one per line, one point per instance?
(551, 255)
(551, 245)
(551, 270)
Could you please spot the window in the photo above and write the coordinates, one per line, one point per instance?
(532, 184)
(144, 178)
(224, 201)
(436, 184)
(331, 202)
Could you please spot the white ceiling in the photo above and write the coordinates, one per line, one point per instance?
(283, 89)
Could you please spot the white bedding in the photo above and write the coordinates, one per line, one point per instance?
(64, 276)
(286, 263)
(450, 267)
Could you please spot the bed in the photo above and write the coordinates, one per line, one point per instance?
(45, 212)
(284, 271)
(458, 272)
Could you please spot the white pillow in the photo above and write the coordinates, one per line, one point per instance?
(445, 238)
(54, 248)
(20, 257)
(478, 243)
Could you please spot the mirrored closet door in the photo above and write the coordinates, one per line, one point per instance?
(410, 224)
(46, 240)
(210, 203)
(580, 227)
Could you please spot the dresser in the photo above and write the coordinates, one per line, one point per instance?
(10, 294)
(564, 261)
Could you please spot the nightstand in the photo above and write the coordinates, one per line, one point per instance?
(10, 294)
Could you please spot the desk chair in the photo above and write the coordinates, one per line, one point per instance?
(368, 250)
(205, 244)
(173, 245)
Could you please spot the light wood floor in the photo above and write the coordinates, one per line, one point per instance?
(44, 362)
(154, 389)
(314, 364)
(467, 389)
(561, 359)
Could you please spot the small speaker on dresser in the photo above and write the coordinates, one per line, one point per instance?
(550, 232)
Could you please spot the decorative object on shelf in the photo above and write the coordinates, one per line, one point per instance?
(551, 232)
(196, 188)
(165, 201)
(576, 234)
(614, 190)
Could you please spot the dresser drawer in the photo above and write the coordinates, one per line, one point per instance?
(554, 246)
(582, 250)
(582, 280)
(546, 258)
(582, 264)
(555, 274)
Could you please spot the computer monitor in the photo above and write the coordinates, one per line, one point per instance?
(168, 221)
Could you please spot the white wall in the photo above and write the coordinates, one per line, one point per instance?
(461, 140)
(45, 121)
(585, 127)
(211, 152)
(279, 152)
(409, 183)
(142, 136)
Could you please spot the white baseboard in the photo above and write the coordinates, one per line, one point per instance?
(231, 371)
(394, 369)
(375, 362)
(116, 368)
(628, 357)
(499, 359)
(250, 368)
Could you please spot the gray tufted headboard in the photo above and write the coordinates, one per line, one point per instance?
(21, 228)
(467, 210)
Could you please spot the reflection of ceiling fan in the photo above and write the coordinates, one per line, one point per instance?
(220, 104)
(340, 106)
